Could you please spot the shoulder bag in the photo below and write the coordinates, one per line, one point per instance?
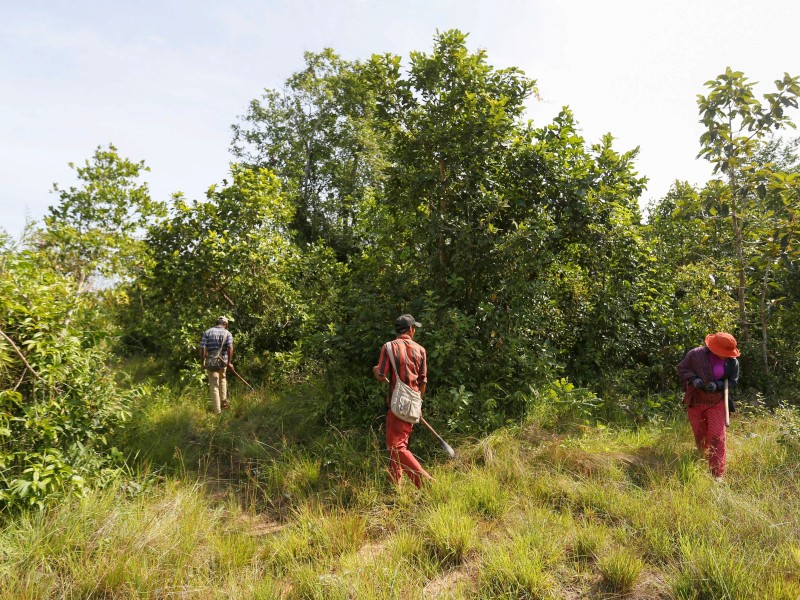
(406, 402)
(215, 363)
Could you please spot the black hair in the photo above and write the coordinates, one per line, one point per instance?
(401, 328)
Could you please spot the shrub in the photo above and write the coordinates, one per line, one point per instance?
(58, 401)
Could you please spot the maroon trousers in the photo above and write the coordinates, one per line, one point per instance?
(708, 425)
(400, 457)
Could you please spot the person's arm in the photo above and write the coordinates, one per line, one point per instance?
(203, 349)
(687, 372)
(731, 374)
(380, 370)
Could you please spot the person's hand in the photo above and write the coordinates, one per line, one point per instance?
(378, 375)
(711, 386)
(698, 383)
(230, 366)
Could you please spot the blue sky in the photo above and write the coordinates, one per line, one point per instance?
(164, 80)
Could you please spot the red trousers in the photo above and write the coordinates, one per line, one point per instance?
(400, 458)
(708, 425)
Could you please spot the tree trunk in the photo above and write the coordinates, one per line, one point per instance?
(764, 338)
(739, 243)
(441, 241)
(737, 236)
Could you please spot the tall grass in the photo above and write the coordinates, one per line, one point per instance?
(263, 502)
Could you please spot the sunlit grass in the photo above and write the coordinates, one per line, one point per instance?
(621, 570)
(238, 506)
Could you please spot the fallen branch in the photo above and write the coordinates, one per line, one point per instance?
(19, 353)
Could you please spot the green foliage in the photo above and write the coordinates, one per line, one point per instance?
(56, 411)
(489, 233)
(230, 255)
(316, 134)
(789, 417)
(758, 199)
(571, 403)
(521, 249)
(95, 229)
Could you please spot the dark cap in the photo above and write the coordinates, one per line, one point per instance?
(406, 321)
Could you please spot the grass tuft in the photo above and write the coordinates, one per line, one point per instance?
(449, 533)
(621, 570)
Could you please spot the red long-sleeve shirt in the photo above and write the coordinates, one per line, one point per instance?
(410, 359)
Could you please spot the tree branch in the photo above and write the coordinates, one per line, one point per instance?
(19, 353)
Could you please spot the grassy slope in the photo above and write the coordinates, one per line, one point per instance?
(263, 503)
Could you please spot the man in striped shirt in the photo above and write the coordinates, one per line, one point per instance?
(412, 364)
(217, 346)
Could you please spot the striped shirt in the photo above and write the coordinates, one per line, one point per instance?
(215, 338)
(411, 362)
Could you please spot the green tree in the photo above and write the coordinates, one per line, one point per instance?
(489, 232)
(231, 254)
(95, 229)
(316, 134)
(757, 198)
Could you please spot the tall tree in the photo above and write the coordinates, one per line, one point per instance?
(452, 121)
(97, 226)
(737, 124)
(316, 134)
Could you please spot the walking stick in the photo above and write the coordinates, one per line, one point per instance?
(230, 366)
(445, 446)
(727, 410)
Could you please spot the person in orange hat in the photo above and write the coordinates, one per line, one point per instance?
(703, 372)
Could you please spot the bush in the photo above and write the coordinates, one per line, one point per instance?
(58, 402)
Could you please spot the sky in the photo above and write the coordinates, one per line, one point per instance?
(164, 80)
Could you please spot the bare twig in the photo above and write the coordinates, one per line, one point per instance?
(19, 353)
(19, 383)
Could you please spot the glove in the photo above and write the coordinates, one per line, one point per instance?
(711, 386)
(698, 383)
(720, 385)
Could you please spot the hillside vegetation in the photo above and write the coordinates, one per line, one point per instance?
(263, 503)
(553, 309)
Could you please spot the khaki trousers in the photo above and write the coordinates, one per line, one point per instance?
(218, 384)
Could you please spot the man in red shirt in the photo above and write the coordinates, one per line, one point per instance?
(412, 366)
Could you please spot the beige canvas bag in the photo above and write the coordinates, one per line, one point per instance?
(406, 403)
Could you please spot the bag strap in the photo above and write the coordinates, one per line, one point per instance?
(390, 352)
(222, 345)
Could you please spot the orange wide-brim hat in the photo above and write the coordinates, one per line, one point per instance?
(722, 344)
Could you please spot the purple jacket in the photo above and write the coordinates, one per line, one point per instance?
(697, 363)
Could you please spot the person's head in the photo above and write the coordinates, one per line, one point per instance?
(406, 324)
(722, 344)
(222, 321)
